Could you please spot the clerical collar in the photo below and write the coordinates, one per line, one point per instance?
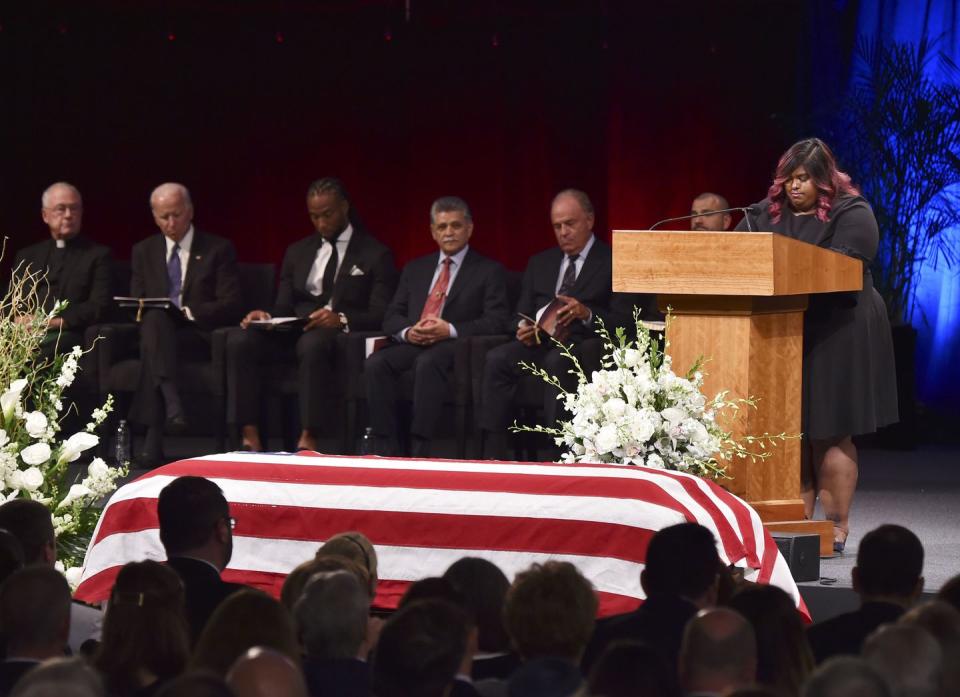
(61, 244)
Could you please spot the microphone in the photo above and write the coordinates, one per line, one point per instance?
(746, 210)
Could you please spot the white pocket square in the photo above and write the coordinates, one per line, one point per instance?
(356, 271)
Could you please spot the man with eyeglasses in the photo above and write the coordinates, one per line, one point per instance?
(66, 267)
(196, 531)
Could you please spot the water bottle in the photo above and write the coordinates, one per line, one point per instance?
(121, 447)
(367, 442)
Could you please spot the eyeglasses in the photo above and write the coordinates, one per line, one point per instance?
(62, 208)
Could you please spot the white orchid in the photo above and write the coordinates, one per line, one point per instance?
(11, 398)
(76, 444)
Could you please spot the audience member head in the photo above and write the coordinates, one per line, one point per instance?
(807, 178)
(31, 524)
(35, 613)
(433, 588)
(942, 620)
(484, 587)
(632, 669)
(11, 554)
(572, 217)
(703, 208)
(263, 672)
(172, 210)
(889, 565)
(195, 521)
(357, 547)
(682, 560)
(451, 224)
(145, 634)
(296, 580)
(950, 592)
(784, 658)
(908, 658)
(846, 676)
(246, 619)
(550, 611)
(61, 208)
(60, 677)
(421, 647)
(196, 684)
(332, 615)
(328, 207)
(718, 653)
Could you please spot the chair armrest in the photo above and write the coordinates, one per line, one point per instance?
(116, 342)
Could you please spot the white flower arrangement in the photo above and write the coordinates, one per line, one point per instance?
(636, 411)
(34, 462)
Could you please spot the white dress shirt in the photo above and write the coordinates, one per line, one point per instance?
(314, 283)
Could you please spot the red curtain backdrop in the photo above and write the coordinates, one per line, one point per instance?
(503, 104)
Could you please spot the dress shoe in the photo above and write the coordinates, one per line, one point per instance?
(176, 425)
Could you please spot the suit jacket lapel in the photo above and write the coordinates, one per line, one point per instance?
(196, 257)
(591, 265)
(422, 287)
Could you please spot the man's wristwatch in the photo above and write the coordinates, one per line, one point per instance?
(344, 324)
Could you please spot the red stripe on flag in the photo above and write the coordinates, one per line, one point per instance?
(408, 529)
(97, 589)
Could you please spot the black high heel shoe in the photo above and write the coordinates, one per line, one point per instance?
(839, 543)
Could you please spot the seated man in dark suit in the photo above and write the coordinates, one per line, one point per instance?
(339, 279)
(35, 614)
(578, 272)
(197, 271)
(680, 577)
(440, 298)
(66, 267)
(333, 615)
(888, 578)
(196, 531)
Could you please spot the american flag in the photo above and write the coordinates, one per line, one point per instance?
(423, 515)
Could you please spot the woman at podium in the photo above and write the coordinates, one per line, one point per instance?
(849, 381)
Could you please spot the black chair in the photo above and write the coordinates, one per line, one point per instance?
(202, 380)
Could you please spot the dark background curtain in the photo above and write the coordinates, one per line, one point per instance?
(643, 105)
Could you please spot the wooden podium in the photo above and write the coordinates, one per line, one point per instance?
(738, 299)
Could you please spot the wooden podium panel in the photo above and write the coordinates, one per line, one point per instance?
(738, 300)
(756, 350)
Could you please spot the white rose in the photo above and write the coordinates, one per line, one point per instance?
(73, 575)
(98, 469)
(614, 408)
(36, 424)
(32, 478)
(76, 444)
(15, 480)
(35, 454)
(673, 415)
(606, 439)
(655, 461)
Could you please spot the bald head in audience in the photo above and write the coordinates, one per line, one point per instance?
(719, 652)
(846, 676)
(263, 672)
(907, 656)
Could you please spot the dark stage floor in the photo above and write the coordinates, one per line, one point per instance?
(917, 489)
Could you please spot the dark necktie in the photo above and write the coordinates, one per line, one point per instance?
(438, 293)
(329, 272)
(175, 275)
(569, 275)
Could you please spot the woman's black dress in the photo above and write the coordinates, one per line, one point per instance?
(849, 378)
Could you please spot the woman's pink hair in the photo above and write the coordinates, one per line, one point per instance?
(816, 158)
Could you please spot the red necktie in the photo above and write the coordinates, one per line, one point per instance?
(438, 293)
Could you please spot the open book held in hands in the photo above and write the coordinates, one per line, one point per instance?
(138, 305)
(279, 323)
(548, 321)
